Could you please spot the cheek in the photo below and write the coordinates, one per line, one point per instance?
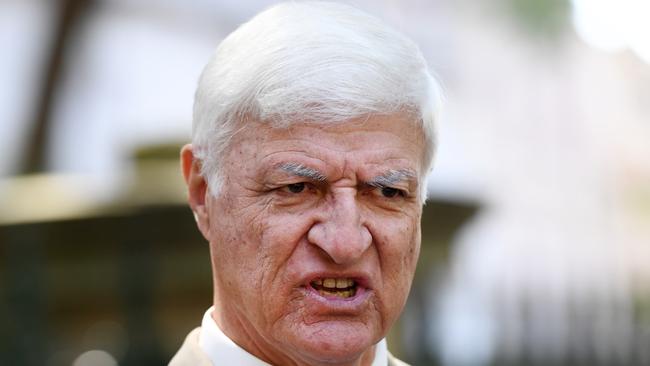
(280, 239)
(400, 237)
(235, 246)
(257, 247)
(414, 250)
(399, 247)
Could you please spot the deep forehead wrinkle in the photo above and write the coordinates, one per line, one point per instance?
(300, 170)
(391, 177)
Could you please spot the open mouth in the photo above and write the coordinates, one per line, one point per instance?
(335, 287)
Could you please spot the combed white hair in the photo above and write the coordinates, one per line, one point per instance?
(313, 62)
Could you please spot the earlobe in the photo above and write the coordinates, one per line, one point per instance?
(197, 189)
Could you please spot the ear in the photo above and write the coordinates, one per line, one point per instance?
(197, 188)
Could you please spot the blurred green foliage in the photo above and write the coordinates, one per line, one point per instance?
(547, 18)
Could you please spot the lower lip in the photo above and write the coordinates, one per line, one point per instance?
(335, 303)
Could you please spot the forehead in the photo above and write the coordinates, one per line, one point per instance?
(392, 140)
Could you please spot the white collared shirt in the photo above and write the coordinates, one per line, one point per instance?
(221, 350)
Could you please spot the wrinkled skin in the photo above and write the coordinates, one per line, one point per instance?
(272, 231)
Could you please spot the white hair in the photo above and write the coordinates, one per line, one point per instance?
(313, 62)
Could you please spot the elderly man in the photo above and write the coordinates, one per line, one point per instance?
(313, 136)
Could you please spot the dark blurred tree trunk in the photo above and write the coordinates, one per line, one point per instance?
(70, 12)
(26, 300)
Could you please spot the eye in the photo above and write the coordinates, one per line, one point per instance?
(296, 187)
(389, 192)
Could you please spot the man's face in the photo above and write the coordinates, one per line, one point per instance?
(315, 235)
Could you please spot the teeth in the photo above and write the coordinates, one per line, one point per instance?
(335, 287)
(342, 294)
(334, 282)
(329, 282)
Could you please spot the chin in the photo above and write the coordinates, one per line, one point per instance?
(335, 342)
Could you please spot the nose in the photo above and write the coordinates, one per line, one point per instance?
(340, 230)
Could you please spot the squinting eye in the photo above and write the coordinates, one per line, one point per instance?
(390, 192)
(296, 187)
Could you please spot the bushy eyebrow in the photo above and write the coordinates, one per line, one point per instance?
(300, 170)
(391, 177)
(388, 179)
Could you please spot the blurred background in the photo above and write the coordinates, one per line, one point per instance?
(536, 239)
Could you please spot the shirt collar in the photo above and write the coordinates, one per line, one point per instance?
(221, 350)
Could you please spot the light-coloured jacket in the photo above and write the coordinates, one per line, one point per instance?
(191, 354)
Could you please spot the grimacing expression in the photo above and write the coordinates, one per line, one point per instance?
(315, 235)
